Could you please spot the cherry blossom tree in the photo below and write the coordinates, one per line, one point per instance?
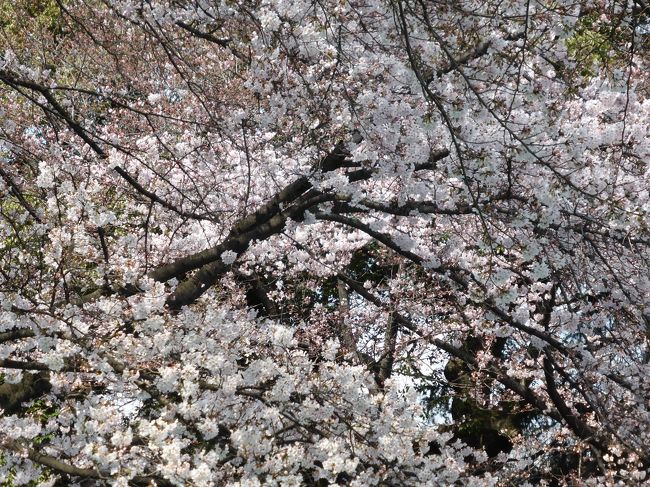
(324, 243)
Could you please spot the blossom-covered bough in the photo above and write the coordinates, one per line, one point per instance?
(316, 243)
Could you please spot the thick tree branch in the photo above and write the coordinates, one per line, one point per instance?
(264, 222)
(572, 420)
(203, 35)
(66, 468)
(390, 342)
(272, 208)
(191, 289)
(16, 334)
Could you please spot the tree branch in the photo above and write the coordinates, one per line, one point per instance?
(515, 386)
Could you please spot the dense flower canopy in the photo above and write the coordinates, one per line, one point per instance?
(365, 242)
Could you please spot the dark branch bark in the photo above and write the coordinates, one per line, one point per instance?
(271, 209)
(257, 296)
(15, 190)
(380, 237)
(32, 386)
(366, 172)
(390, 342)
(203, 35)
(65, 468)
(581, 429)
(266, 221)
(16, 334)
(191, 289)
